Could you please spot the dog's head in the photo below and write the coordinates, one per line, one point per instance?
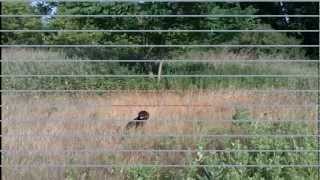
(142, 115)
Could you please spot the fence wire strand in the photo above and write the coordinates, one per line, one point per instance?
(162, 16)
(157, 61)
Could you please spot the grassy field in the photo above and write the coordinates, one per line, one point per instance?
(68, 67)
(188, 115)
(85, 122)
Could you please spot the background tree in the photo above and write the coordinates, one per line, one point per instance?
(285, 8)
(145, 23)
(20, 8)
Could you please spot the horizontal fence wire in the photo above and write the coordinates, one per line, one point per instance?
(162, 76)
(37, 152)
(281, 91)
(160, 16)
(10, 121)
(155, 1)
(161, 91)
(148, 31)
(161, 46)
(159, 60)
(162, 135)
(207, 105)
(159, 165)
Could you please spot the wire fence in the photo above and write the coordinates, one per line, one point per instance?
(219, 107)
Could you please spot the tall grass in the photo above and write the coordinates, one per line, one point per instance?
(151, 82)
(213, 165)
(213, 162)
(90, 118)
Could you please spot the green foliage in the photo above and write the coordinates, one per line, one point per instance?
(241, 117)
(142, 173)
(68, 67)
(265, 158)
(131, 23)
(212, 163)
(149, 82)
(292, 23)
(145, 23)
(20, 8)
(258, 38)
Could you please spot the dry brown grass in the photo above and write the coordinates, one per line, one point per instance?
(82, 122)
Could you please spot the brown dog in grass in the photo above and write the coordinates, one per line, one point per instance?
(138, 121)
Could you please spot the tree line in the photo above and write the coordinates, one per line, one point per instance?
(176, 8)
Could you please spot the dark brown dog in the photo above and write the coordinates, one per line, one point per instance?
(138, 121)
